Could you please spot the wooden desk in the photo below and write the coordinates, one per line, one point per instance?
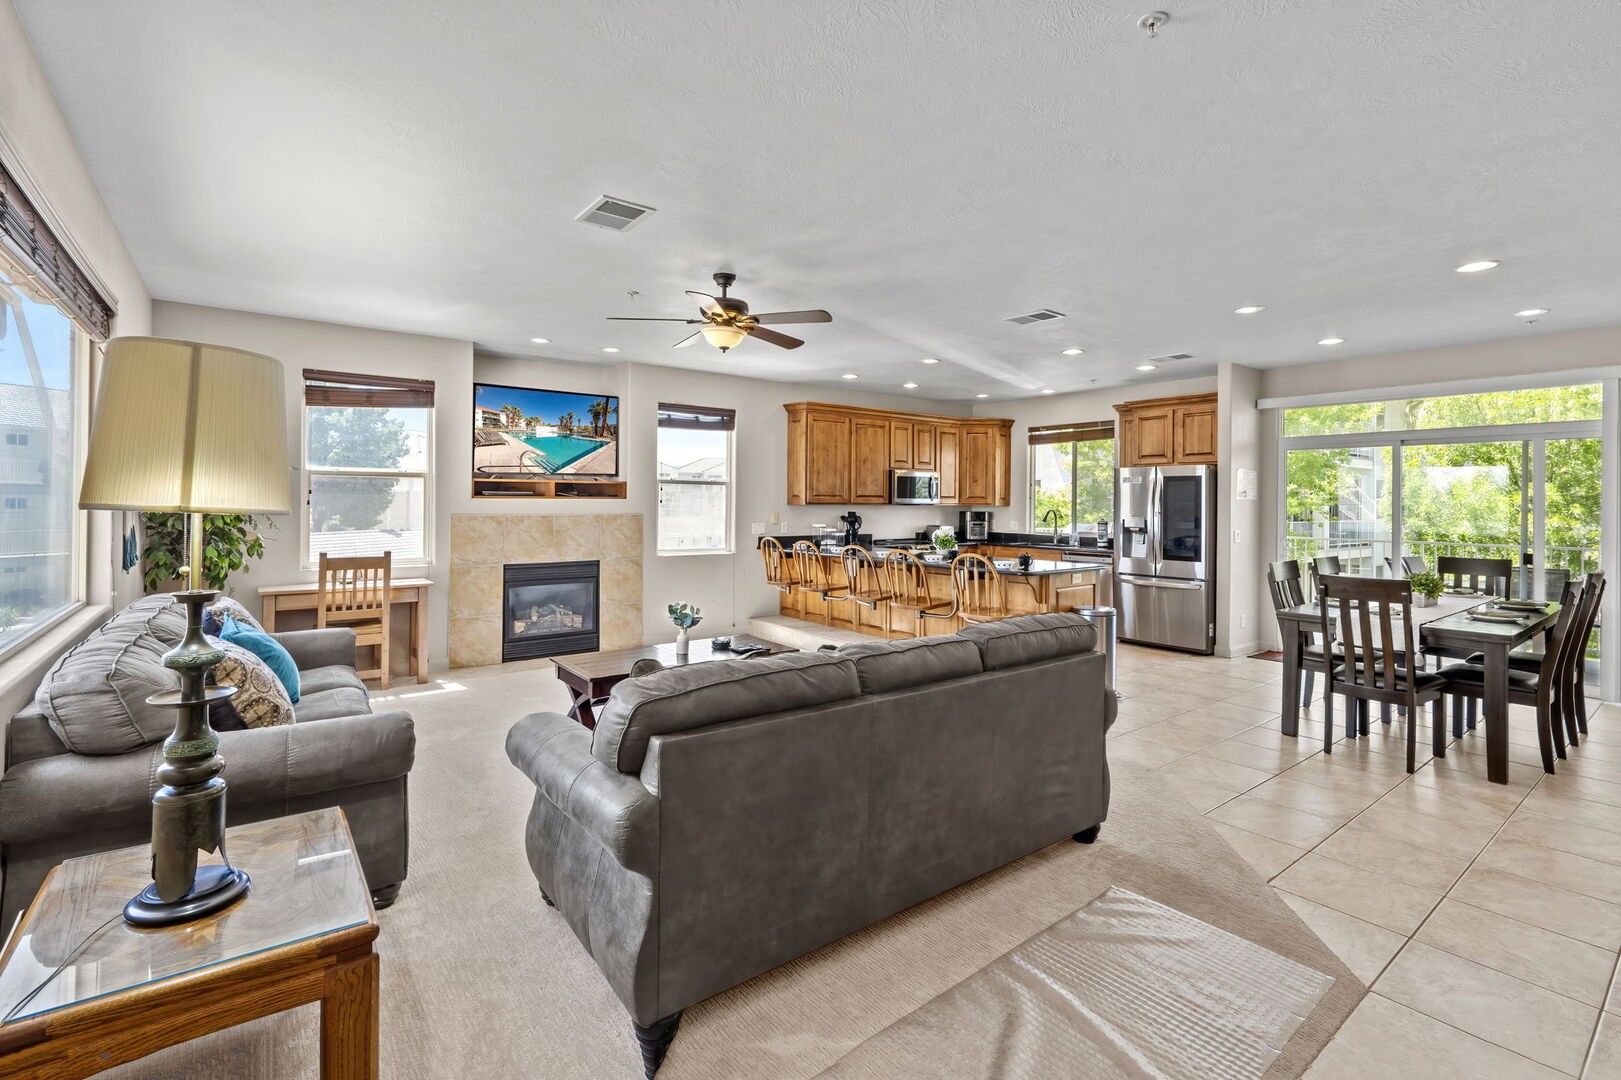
(303, 934)
(1448, 627)
(408, 592)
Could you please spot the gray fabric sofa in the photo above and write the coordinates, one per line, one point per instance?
(728, 817)
(81, 761)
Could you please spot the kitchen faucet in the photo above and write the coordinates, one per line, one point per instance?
(1052, 517)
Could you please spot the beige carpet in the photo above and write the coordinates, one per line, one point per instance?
(481, 980)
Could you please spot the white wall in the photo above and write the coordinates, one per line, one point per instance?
(1240, 624)
(38, 147)
(1067, 409)
(300, 344)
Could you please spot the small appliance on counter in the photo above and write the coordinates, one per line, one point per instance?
(974, 525)
(1103, 532)
(852, 527)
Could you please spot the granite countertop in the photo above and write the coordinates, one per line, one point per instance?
(1038, 568)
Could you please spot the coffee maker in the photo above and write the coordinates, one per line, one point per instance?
(974, 525)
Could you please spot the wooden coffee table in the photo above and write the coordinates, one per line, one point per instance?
(303, 933)
(589, 676)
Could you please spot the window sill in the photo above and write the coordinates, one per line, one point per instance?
(28, 660)
(684, 552)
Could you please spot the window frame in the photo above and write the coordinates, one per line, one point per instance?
(1076, 527)
(308, 473)
(729, 526)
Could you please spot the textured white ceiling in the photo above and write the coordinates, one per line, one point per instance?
(921, 168)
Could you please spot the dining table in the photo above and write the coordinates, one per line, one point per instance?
(1448, 628)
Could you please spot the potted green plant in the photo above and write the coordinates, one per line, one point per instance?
(1427, 589)
(229, 541)
(945, 541)
(685, 617)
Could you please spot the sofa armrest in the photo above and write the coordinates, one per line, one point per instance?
(320, 648)
(55, 796)
(614, 808)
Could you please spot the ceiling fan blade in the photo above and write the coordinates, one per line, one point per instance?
(643, 318)
(793, 317)
(690, 339)
(775, 338)
(706, 303)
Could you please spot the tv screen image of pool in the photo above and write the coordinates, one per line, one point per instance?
(521, 433)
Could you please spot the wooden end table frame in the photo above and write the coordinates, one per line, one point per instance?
(339, 970)
(1450, 630)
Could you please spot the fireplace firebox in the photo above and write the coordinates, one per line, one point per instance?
(550, 609)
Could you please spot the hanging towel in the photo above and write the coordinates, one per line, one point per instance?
(131, 550)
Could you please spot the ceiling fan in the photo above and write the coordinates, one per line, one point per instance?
(726, 320)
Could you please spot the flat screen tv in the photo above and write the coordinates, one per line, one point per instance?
(520, 433)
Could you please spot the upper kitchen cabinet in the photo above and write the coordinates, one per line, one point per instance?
(1168, 431)
(843, 454)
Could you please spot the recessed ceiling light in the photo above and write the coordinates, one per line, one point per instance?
(1531, 313)
(609, 348)
(541, 340)
(1147, 367)
(1249, 309)
(1476, 267)
(982, 395)
(849, 375)
(1049, 390)
(1332, 341)
(909, 385)
(930, 360)
(1073, 352)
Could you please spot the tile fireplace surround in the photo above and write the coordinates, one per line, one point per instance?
(481, 544)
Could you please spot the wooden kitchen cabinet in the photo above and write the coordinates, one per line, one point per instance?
(869, 460)
(900, 444)
(1168, 431)
(842, 454)
(923, 455)
(945, 462)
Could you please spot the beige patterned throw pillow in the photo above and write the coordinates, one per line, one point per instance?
(260, 699)
(224, 606)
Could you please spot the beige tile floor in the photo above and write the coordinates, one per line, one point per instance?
(1485, 918)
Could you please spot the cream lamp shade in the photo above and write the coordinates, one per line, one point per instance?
(182, 426)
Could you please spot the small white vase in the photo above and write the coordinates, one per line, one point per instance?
(681, 641)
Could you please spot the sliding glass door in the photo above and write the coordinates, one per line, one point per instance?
(1339, 503)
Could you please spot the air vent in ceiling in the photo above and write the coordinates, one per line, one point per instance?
(1165, 359)
(1044, 315)
(611, 213)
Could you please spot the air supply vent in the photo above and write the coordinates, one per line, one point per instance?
(1044, 315)
(611, 213)
(1168, 359)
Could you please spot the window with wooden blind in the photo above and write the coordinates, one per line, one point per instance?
(1072, 470)
(695, 479)
(368, 461)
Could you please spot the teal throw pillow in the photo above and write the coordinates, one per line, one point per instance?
(266, 648)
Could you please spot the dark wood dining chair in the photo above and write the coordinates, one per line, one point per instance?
(1546, 689)
(1283, 579)
(1488, 576)
(1366, 665)
(1410, 565)
(1578, 667)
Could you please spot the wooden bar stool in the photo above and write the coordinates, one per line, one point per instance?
(354, 591)
(863, 582)
(909, 589)
(810, 571)
(980, 593)
(779, 568)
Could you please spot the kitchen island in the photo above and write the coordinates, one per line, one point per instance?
(1046, 585)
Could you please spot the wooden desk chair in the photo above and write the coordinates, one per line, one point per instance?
(978, 589)
(354, 591)
(810, 572)
(1365, 665)
(1547, 689)
(779, 568)
(863, 582)
(1489, 576)
(908, 583)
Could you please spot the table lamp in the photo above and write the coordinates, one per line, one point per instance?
(197, 429)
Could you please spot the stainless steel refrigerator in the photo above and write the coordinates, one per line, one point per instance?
(1165, 567)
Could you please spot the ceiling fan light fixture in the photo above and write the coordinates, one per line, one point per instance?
(723, 337)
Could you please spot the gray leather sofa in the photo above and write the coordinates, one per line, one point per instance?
(81, 760)
(728, 817)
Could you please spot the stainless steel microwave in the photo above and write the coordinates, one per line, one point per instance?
(913, 487)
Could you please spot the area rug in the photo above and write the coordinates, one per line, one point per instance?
(1275, 655)
(1124, 988)
(480, 979)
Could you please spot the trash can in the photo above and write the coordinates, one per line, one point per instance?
(1105, 619)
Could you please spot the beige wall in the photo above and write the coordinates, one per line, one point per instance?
(36, 145)
(1240, 628)
(730, 588)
